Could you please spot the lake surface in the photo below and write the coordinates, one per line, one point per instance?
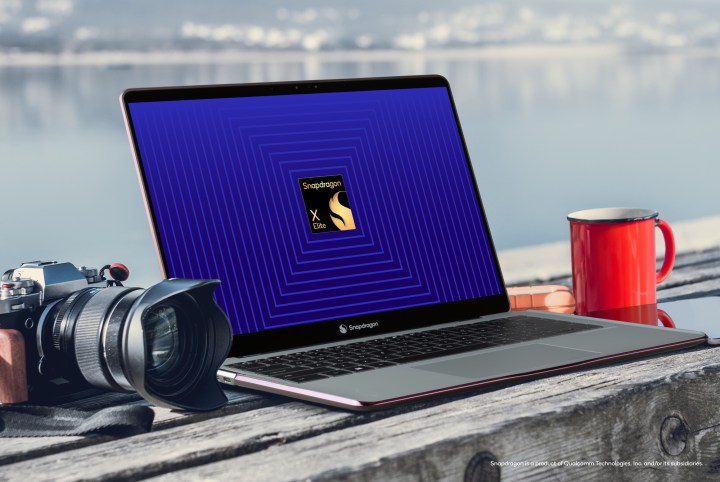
(547, 135)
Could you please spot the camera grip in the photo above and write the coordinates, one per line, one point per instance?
(13, 379)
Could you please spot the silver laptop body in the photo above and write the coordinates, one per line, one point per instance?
(344, 220)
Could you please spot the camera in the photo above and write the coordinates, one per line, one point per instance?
(65, 330)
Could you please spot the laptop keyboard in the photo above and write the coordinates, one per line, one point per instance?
(367, 355)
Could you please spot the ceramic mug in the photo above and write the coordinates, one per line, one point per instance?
(613, 257)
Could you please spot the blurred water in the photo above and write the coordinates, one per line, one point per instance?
(546, 135)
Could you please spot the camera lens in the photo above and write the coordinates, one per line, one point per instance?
(168, 329)
(165, 342)
(161, 328)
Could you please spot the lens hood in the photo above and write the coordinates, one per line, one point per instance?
(197, 344)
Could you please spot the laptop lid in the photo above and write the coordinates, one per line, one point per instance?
(329, 209)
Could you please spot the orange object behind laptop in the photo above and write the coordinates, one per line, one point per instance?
(554, 298)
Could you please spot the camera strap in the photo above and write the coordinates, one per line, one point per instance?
(36, 421)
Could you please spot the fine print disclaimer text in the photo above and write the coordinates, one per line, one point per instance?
(597, 463)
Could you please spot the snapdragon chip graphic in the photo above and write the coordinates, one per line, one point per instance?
(327, 204)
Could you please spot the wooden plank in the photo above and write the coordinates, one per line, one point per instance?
(611, 414)
(688, 275)
(224, 436)
(411, 428)
(698, 274)
(703, 288)
(182, 446)
(698, 258)
(26, 448)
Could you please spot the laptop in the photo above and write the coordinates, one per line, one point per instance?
(344, 220)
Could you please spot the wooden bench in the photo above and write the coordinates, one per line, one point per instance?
(653, 418)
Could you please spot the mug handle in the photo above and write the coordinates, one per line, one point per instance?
(667, 265)
(665, 319)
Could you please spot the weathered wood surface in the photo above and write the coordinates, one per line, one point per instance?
(614, 413)
(605, 414)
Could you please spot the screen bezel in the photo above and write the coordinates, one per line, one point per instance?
(308, 334)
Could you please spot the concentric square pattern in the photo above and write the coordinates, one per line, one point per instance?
(224, 179)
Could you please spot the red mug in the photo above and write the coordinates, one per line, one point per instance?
(613, 257)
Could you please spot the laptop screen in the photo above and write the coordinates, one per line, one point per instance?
(312, 208)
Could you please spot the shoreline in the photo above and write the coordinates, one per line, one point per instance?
(173, 57)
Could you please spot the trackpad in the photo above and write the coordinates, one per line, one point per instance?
(515, 360)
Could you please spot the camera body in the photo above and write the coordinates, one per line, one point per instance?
(32, 366)
(65, 330)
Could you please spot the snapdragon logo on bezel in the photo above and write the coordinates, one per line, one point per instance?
(365, 326)
(327, 204)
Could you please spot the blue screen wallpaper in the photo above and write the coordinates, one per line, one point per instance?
(316, 207)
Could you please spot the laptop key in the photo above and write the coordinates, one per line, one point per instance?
(403, 354)
(282, 372)
(336, 373)
(298, 371)
(314, 364)
(365, 361)
(246, 366)
(270, 368)
(345, 366)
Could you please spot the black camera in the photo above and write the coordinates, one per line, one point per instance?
(63, 330)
